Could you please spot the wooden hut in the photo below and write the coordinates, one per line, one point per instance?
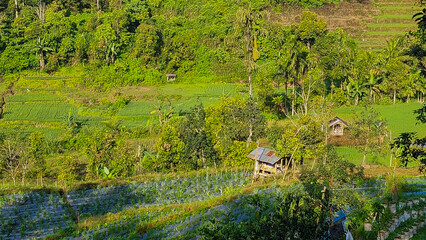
(337, 126)
(267, 162)
(171, 77)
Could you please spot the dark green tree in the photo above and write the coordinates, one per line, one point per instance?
(198, 142)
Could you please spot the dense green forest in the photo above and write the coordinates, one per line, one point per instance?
(121, 43)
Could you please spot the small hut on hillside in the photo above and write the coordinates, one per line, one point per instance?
(171, 77)
(337, 126)
(267, 162)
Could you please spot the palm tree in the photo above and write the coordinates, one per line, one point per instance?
(41, 48)
(245, 23)
(420, 19)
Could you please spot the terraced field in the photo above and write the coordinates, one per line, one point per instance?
(35, 215)
(371, 22)
(46, 103)
(156, 209)
(394, 19)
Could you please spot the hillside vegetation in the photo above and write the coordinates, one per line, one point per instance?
(97, 143)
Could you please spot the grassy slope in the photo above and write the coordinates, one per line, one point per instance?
(400, 119)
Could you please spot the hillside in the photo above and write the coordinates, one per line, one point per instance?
(372, 23)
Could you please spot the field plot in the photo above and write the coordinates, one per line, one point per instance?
(32, 215)
(92, 202)
(40, 112)
(126, 228)
(400, 117)
(393, 19)
(182, 98)
(34, 97)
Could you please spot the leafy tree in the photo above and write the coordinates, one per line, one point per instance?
(36, 153)
(227, 122)
(198, 142)
(310, 28)
(147, 43)
(421, 114)
(369, 130)
(170, 149)
(68, 170)
(401, 146)
(303, 142)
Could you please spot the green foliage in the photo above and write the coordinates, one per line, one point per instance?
(229, 120)
(198, 142)
(369, 129)
(310, 28)
(304, 142)
(421, 114)
(170, 149)
(292, 214)
(401, 146)
(104, 147)
(68, 170)
(37, 151)
(235, 155)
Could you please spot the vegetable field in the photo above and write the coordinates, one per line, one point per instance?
(39, 214)
(113, 199)
(32, 215)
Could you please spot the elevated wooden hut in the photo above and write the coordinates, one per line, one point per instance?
(267, 162)
(337, 126)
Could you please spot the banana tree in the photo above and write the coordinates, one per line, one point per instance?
(41, 48)
(355, 90)
(373, 84)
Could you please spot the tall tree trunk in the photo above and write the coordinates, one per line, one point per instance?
(293, 100)
(42, 63)
(371, 94)
(250, 87)
(16, 9)
(98, 5)
(286, 88)
(394, 95)
(250, 133)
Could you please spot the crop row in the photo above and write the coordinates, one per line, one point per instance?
(124, 228)
(113, 199)
(32, 215)
(41, 112)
